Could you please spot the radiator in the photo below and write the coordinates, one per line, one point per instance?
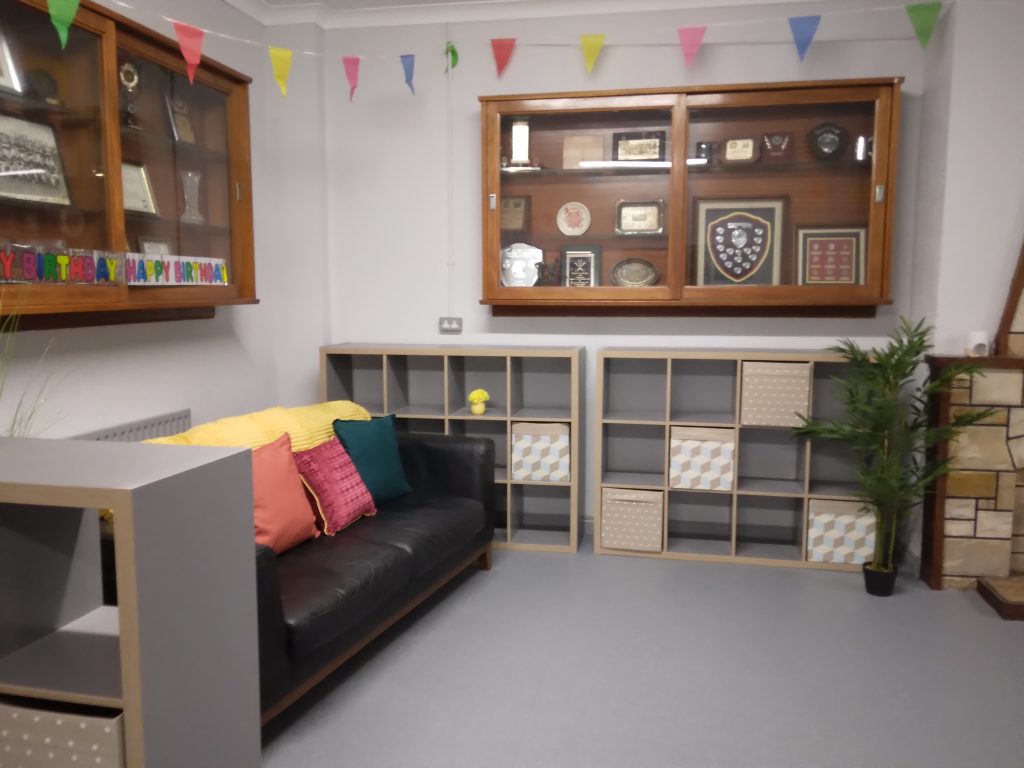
(143, 429)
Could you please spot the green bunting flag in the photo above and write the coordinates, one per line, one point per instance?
(62, 13)
(924, 17)
(453, 56)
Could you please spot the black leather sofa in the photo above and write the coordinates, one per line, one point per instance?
(324, 600)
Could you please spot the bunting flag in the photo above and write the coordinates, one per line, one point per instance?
(690, 39)
(453, 56)
(409, 65)
(190, 40)
(62, 13)
(924, 17)
(351, 74)
(803, 29)
(591, 45)
(502, 48)
(281, 61)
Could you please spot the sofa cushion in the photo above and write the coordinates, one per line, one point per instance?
(340, 495)
(314, 424)
(430, 530)
(329, 584)
(282, 514)
(374, 448)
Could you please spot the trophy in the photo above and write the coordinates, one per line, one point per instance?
(128, 75)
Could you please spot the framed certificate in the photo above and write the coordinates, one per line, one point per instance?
(154, 247)
(138, 192)
(9, 80)
(181, 119)
(646, 218)
(515, 215)
(738, 241)
(581, 266)
(638, 145)
(830, 255)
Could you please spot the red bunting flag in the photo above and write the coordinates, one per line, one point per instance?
(502, 48)
(351, 74)
(690, 39)
(190, 40)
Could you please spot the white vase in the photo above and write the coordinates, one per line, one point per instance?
(190, 181)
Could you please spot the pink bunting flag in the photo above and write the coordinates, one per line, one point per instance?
(190, 40)
(502, 48)
(690, 39)
(351, 74)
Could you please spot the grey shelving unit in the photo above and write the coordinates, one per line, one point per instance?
(643, 393)
(175, 665)
(425, 387)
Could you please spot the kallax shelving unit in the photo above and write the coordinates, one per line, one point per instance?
(532, 389)
(751, 502)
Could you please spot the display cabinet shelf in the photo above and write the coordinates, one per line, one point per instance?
(426, 388)
(730, 491)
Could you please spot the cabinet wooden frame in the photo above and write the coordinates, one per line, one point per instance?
(85, 304)
(677, 291)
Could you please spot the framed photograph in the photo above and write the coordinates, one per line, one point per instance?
(30, 163)
(739, 241)
(515, 215)
(581, 266)
(154, 247)
(830, 255)
(138, 192)
(646, 218)
(638, 145)
(181, 119)
(9, 79)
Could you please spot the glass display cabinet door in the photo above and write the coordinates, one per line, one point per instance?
(53, 153)
(579, 200)
(791, 205)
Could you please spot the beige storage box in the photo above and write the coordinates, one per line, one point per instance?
(839, 532)
(701, 458)
(540, 452)
(773, 393)
(40, 738)
(632, 520)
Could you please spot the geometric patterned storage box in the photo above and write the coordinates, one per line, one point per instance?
(773, 393)
(540, 452)
(38, 738)
(701, 458)
(632, 520)
(839, 532)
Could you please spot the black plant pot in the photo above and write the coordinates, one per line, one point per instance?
(879, 583)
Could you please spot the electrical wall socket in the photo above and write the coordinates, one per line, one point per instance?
(449, 324)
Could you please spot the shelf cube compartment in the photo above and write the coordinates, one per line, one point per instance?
(34, 736)
(541, 452)
(699, 523)
(770, 461)
(839, 532)
(774, 393)
(833, 469)
(701, 458)
(501, 493)
(703, 391)
(635, 389)
(415, 385)
(632, 520)
(770, 527)
(825, 402)
(477, 372)
(540, 515)
(359, 378)
(491, 430)
(420, 426)
(634, 454)
(541, 388)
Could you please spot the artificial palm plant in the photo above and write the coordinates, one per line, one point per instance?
(28, 404)
(885, 421)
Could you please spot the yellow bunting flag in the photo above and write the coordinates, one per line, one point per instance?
(281, 61)
(591, 45)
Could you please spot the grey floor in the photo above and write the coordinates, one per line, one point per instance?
(585, 660)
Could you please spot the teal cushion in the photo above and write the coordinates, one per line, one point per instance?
(374, 450)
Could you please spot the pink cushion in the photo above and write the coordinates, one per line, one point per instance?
(281, 511)
(341, 495)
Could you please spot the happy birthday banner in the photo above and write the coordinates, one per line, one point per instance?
(156, 271)
(923, 18)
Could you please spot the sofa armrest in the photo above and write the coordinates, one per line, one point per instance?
(272, 632)
(450, 465)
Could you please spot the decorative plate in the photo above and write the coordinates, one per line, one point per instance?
(634, 273)
(519, 265)
(573, 219)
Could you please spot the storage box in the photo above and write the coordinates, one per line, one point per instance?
(540, 452)
(839, 532)
(701, 458)
(773, 393)
(41, 738)
(632, 520)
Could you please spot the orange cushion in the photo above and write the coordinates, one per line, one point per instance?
(282, 513)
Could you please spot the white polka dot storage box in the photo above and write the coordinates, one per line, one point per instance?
(45, 738)
(632, 520)
(772, 394)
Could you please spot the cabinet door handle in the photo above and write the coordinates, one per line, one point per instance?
(492, 201)
(238, 191)
(880, 193)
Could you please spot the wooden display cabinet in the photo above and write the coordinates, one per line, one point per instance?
(765, 199)
(118, 130)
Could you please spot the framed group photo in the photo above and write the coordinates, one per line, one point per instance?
(30, 163)
(739, 241)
